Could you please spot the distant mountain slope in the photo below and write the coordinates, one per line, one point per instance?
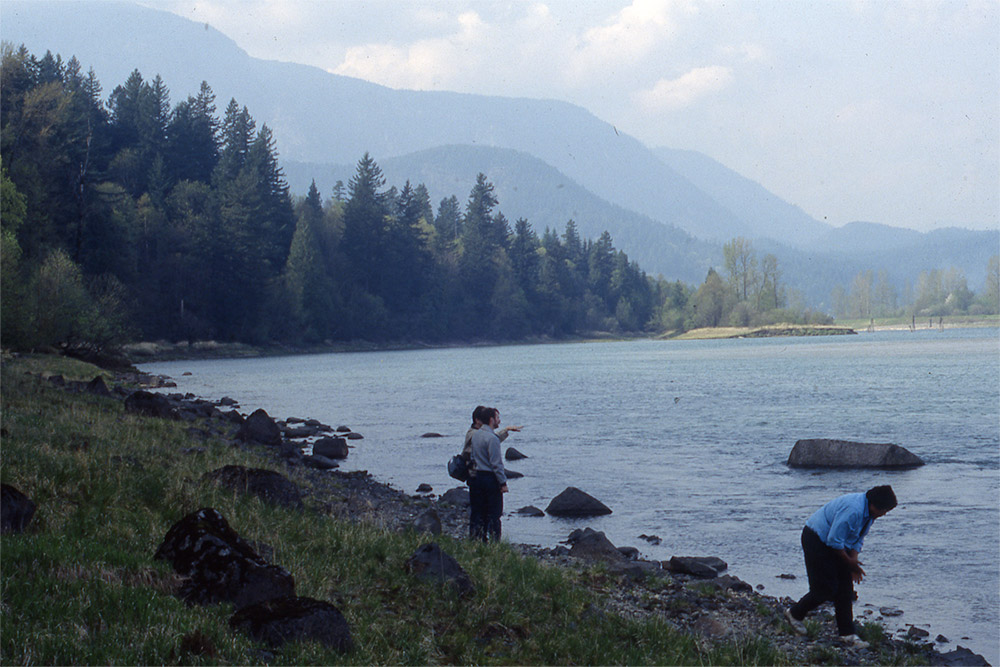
(528, 188)
(761, 210)
(324, 118)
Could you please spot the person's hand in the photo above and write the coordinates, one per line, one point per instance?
(504, 489)
(513, 428)
(857, 574)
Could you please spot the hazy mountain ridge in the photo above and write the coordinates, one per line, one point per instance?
(669, 210)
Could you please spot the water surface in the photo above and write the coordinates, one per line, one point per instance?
(687, 440)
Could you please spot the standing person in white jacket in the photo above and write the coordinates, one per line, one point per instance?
(488, 482)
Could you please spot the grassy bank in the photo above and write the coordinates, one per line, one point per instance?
(946, 322)
(80, 586)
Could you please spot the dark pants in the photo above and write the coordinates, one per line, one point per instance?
(829, 581)
(485, 507)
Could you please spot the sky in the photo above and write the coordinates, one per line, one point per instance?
(851, 109)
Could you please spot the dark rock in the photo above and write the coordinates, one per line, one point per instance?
(890, 611)
(698, 566)
(270, 486)
(332, 448)
(16, 510)
(287, 619)
(629, 552)
(142, 402)
(354, 436)
(960, 657)
(432, 435)
(234, 417)
(513, 455)
(917, 633)
(823, 453)
(530, 510)
(431, 563)
(98, 387)
(425, 488)
(320, 462)
(343, 429)
(219, 565)
(458, 496)
(635, 569)
(290, 451)
(228, 402)
(57, 380)
(786, 576)
(300, 432)
(260, 428)
(728, 582)
(513, 474)
(652, 539)
(590, 544)
(941, 639)
(574, 502)
(428, 522)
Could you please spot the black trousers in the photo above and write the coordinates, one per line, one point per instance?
(829, 581)
(485, 507)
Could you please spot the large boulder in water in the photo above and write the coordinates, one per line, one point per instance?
(823, 453)
(260, 428)
(574, 502)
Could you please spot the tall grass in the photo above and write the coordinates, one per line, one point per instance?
(80, 586)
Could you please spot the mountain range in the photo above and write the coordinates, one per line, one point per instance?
(550, 161)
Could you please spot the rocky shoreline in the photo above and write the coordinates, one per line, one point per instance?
(694, 597)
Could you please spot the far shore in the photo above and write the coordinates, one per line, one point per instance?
(152, 351)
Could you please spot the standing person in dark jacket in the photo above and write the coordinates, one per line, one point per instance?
(488, 482)
(831, 542)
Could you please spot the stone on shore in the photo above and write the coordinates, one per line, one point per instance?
(824, 453)
(705, 567)
(147, 403)
(590, 544)
(260, 428)
(458, 496)
(513, 455)
(574, 503)
(16, 510)
(331, 448)
(529, 510)
(218, 565)
(428, 522)
(281, 620)
(269, 486)
(431, 563)
(320, 462)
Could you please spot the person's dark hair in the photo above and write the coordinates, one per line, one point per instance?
(478, 415)
(881, 497)
(488, 414)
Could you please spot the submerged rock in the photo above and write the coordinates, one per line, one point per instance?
(824, 453)
(706, 567)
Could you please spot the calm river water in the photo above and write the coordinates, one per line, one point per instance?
(687, 440)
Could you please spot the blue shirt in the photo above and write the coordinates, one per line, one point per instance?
(843, 522)
(486, 453)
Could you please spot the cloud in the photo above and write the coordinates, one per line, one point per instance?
(628, 36)
(670, 94)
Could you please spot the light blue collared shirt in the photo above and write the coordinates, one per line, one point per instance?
(843, 522)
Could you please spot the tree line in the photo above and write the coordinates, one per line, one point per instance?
(936, 293)
(129, 218)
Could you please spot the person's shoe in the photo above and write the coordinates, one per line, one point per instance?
(798, 626)
(853, 641)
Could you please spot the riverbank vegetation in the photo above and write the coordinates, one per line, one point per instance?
(127, 219)
(80, 586)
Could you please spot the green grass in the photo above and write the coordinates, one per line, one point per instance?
(80, 586)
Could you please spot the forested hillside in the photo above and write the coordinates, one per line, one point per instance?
(137, 219)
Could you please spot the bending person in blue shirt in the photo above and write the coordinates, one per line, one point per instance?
(831, 542)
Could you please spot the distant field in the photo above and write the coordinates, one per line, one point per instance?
(923, 322)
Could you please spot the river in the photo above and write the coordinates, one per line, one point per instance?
(687, 440)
